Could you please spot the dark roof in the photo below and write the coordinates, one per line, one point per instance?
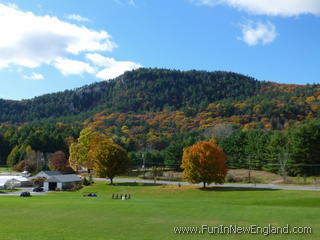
(64, 178)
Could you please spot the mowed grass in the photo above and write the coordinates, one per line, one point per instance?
(5, 169)
(153, 211)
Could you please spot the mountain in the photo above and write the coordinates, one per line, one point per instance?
(135, 91)
(159, 112)
(196, 93)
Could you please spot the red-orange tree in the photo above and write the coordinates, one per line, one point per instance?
(204, 162)
(59, 162)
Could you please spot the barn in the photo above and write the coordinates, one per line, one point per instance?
(61, 182)
(46, 174)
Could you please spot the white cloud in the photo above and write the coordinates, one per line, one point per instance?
(29, 40)
(129, 2)
(34, 76)
(110, 67)
(254, 33)
(73, 67)
(285, 8)
(132, 3)
(78, 18)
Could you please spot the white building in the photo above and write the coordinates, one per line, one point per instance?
(13, 181)
(61, 182)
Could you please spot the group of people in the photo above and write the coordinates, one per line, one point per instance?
(121, 196)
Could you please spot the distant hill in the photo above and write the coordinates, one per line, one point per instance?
(155, 90)
(135, 91)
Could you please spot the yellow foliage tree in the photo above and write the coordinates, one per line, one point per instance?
(110, 159)
(204, 162)
(81, 151)
(310, 99)
(94, 150)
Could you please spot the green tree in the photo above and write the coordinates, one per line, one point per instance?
(277, 144)
(234, 147)
(305, 152)
(14, 157)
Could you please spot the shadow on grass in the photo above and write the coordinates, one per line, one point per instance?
(136, 184)
(233, 189)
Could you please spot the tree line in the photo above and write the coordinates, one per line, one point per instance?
(266, 150)
(294, 150)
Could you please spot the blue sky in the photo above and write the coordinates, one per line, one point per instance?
(48, 46)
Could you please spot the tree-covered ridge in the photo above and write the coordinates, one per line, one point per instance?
(138, 91)
(52, 106)
(156, 89)
(153, 90)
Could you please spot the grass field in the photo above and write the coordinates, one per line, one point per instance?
(8, 191)
(152, 213)
(5, 169)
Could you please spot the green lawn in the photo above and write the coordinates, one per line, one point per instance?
(9, 190)
(5, 169)
(153, 212)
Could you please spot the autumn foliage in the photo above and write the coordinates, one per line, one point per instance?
(110, 159)
(59, 162)
(204, 162)
(94, 150)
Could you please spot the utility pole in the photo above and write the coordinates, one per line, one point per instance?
(249, 173)
(143, 160)
(283, 157)
(143, 164)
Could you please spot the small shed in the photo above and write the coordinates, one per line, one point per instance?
(61, 182)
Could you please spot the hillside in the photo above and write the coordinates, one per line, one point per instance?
(159, 112)
(205, 97)
(135, 91)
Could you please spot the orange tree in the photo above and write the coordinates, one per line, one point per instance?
(204, 162)
(59, 162)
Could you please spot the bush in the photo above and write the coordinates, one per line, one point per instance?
(38, 181)
(86, 182)
(25, 165)
(231, 178)
(76, 187)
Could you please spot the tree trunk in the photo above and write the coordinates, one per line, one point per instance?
(111, 181)
(204, 184)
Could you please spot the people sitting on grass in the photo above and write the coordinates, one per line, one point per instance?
(90, 195)
(121, 196)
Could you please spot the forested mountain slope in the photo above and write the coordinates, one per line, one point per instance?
(136, 91)
(159, 112)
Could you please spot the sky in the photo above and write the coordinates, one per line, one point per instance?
(52, 45)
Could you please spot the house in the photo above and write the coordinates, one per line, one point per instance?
(61, 182)
(22, 181)
(13, 181)
(46, 174)
(3, 183)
